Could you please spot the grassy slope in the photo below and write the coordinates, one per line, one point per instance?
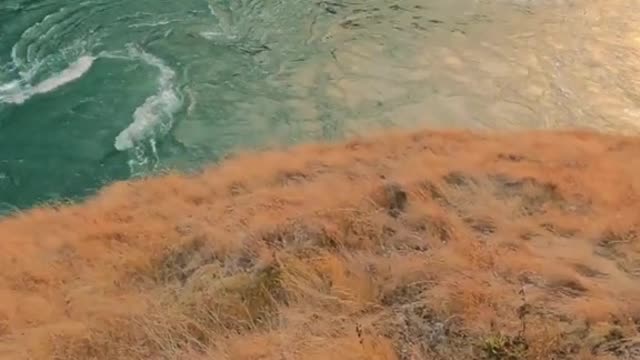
(410, 246)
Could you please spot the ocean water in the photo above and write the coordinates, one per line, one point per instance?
(101, 90)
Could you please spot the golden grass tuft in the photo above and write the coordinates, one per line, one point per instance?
(424, 245)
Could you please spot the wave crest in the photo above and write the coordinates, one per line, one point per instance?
(156, 113)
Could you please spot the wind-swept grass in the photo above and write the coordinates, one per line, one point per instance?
(447, 245)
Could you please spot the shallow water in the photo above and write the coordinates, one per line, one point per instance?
(100, 90)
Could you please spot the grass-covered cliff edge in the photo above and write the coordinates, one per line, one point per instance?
(425, 245)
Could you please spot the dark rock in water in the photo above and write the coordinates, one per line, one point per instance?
(418, 26)
(350, 24)
(330, 10)
(255, 50)
(330, 7)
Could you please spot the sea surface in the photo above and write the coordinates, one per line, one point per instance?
(101, 90)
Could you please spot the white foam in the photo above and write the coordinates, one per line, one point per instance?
(10, 86)
(71, 73)
(152, 24)
(18, 91)
(117, 55)
(13, 93)
(156, 113)
(15, 58)
(193, 101)
(31, 34)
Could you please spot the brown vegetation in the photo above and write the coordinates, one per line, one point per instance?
(410, 246)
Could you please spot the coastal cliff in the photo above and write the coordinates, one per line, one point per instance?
(420, 245)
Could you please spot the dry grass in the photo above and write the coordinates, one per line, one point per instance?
(409, 246)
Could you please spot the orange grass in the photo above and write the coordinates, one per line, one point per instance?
(424, 245)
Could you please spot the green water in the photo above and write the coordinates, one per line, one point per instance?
(100, 90)
(93, 91)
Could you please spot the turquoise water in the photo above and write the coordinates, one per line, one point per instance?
(92, 91)
(100, 90)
